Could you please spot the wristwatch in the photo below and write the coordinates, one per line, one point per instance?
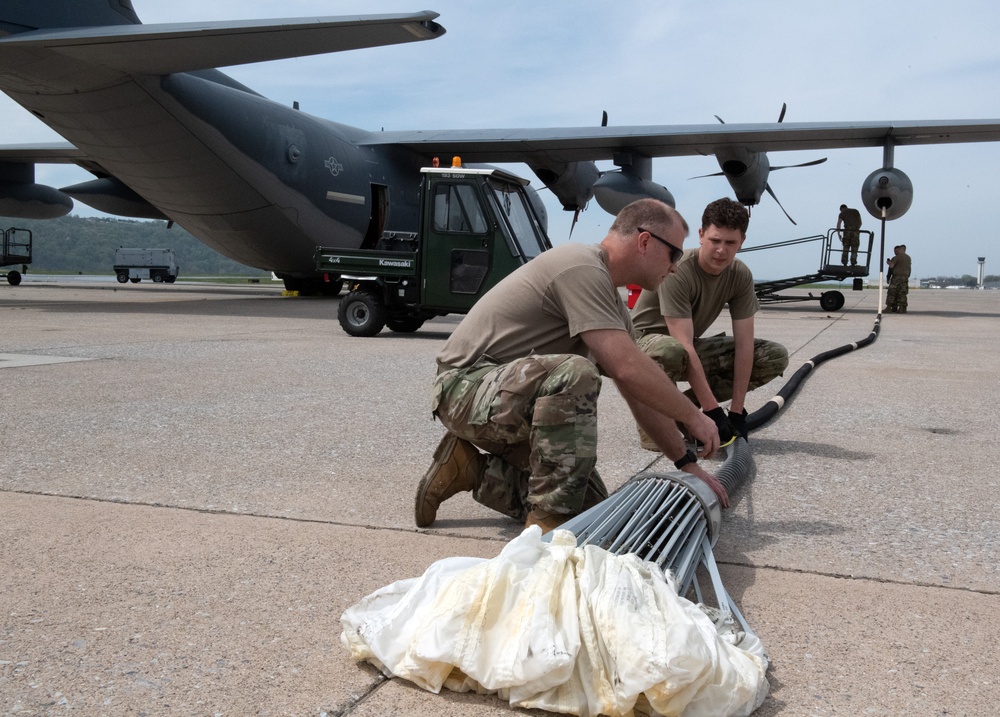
(688, 457)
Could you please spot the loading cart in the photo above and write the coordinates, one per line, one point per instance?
(830, 268)
(16, 251)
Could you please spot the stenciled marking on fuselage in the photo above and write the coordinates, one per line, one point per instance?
(333, 165)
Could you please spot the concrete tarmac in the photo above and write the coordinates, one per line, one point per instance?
(196, 481)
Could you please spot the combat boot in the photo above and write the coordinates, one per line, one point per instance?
(456, 468)
(545, 520)
(645, 441)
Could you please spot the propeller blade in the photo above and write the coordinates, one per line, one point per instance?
(718, 118)
(576, 215)
(714, 174)
(604, 118)
(782, 115)
(804, 164)
(775, 198)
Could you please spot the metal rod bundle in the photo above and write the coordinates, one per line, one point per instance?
(671, 519)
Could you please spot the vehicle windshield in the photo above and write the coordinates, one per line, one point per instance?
(522, 227)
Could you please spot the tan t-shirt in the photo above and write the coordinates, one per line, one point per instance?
(901, 265)
(541, 308)
(851, 218)
(692, 293)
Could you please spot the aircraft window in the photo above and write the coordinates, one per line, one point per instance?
(513, 205)
(457, 209)
(468, 270)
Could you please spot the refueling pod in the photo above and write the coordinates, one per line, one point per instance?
(887, 189)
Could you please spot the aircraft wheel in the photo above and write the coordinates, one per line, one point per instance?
(135, 280)
(13, 277)
(831, 300)
(404, 324)
(361, 313)
(122, 277)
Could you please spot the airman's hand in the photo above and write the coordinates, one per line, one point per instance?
(714, 483)
(739, 423)
(703, 429)
(726, 429)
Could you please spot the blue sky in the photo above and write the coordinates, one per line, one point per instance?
(537, 64)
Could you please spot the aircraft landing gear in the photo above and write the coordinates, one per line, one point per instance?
(313, 287)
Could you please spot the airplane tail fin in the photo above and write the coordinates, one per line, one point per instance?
(26, 15)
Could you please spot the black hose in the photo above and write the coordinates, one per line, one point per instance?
(766, 412)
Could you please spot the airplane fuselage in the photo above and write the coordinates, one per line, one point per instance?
(260, 182)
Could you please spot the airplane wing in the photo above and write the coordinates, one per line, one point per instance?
(186, 47)
(574, 144)
(48, 153)
(596, 143)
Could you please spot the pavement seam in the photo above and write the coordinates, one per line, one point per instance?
(490, 539)
(356, 702)
(861, 578)
(269, 516)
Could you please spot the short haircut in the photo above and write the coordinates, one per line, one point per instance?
(843, 207)
(650, 214)
(726, 214)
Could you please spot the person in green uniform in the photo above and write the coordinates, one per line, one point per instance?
(518, 380)
(671, 322)
(851, 234)
(899, 282)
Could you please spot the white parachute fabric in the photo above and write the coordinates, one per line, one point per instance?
(556, 627)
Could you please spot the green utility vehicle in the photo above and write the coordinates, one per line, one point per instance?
(476, 227)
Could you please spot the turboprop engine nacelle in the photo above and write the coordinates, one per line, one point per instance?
(888, 189)
(614, 190)
(32, 201)
(571, 182)
(111, 196)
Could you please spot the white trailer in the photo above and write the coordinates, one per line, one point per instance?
(137, 264)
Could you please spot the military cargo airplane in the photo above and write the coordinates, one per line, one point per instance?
(168, 136)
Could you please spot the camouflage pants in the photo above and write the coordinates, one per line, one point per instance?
(536, 418)
(895, 297)
(851, 241)
(718, 357)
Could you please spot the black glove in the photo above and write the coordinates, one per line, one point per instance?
(739, 423)
(726, 432)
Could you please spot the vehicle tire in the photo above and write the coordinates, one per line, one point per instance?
(361, 313)
(14, 277)
(831, 300)
(122, 277)
(136, 280)
(404, 324)
(157, 277)
(170, 279)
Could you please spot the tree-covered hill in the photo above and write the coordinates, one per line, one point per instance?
(87, 245)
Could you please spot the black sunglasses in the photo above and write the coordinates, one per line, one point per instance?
(676, 254)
